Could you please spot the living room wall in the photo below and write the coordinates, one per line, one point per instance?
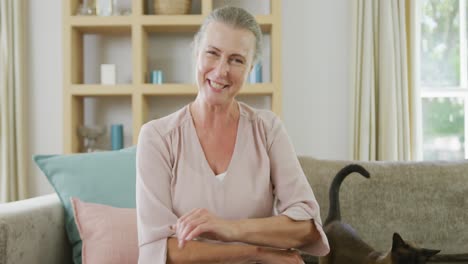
(315, 57)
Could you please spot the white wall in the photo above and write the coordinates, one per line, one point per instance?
(45, 85)
(315, 58)
(316, 77)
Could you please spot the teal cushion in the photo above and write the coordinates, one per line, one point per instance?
(99, 177)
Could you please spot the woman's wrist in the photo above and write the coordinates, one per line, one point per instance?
(235, 231)
(261, 254)
(264, 255)
(258, 255)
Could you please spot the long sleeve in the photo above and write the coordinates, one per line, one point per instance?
(153, 196)
(295, 197)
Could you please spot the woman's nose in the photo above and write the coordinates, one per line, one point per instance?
(222, 68)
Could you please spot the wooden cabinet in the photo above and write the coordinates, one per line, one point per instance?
(138, 30)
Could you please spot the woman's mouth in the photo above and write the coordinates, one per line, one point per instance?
(216, 86)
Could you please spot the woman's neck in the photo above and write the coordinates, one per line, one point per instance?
(214, 116)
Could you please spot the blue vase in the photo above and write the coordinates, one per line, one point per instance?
(256, 74)
(156, 77)
(116, 136)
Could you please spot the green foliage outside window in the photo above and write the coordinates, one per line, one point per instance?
(443, 117)
(440, 45)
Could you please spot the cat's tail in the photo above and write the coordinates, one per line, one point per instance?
(334, 212)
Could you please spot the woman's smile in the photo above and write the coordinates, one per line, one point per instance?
(216, 86)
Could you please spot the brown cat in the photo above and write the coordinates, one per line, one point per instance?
(346, 246)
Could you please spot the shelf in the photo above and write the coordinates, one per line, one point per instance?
(100, 20)
(152, 23)
(100, 90)
(265, 22)
(169, 89)
(258, 89)
(191, 89)
(174, 23)
(189, 23)
(157, 89)
(101, 24)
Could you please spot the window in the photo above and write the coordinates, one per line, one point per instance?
(444, 79)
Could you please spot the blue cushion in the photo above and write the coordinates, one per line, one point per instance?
(99, 177)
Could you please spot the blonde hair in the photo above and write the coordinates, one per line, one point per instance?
(237, 18)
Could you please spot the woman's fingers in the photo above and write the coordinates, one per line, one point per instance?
(187, 215)
(198, 230)
(189, 227)
(187, 218)
(194, 217)
(200, 222)
(190, 221)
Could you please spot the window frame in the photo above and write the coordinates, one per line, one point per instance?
(460, 91)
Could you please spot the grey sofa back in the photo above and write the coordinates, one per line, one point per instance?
(33, 231)
(425, 202)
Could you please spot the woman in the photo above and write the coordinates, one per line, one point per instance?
(208, 175)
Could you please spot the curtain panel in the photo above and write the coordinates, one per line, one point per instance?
(384, 110)
(13, 160)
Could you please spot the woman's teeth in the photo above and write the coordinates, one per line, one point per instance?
(217, 85)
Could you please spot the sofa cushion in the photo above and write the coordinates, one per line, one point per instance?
(99, 177)
(109, 234)
(426, 202)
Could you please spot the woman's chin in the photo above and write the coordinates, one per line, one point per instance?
(216, 99)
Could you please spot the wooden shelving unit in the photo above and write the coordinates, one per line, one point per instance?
(139, 26)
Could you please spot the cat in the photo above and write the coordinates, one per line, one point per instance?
(347, 248)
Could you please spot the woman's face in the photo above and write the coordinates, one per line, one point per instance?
(224, 60)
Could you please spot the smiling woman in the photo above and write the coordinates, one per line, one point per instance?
(224, 60)
(219, 181)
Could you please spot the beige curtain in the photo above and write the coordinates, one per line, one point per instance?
(13, 162)
(383, 97)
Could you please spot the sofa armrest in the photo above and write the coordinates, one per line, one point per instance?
(33, 231)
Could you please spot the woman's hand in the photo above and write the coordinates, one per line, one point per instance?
(277, 256)
(201, 222)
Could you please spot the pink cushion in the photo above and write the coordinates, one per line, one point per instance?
(109, 234)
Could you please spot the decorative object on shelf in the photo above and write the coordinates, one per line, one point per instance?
(124, 12)
(86, 8)
(149, 7)
(108, 73)
(121, 8)
(156, 77)
(116, 136)
(90, 136)
(256, 74)
(172, 7)
(105, 7)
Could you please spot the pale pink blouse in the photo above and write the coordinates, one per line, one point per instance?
(173, 177)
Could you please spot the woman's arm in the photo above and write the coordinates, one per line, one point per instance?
(201, 252)
(277, 231)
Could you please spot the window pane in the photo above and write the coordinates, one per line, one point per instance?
(443, 128)
(440, 43)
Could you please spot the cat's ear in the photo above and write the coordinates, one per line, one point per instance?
(398, 242)
(429, 252)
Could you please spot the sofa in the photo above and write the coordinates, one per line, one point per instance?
(425, 202)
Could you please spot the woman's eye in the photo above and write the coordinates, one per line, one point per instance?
(211, 52)
(237, 61)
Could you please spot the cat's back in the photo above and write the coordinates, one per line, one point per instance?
(345, 245)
